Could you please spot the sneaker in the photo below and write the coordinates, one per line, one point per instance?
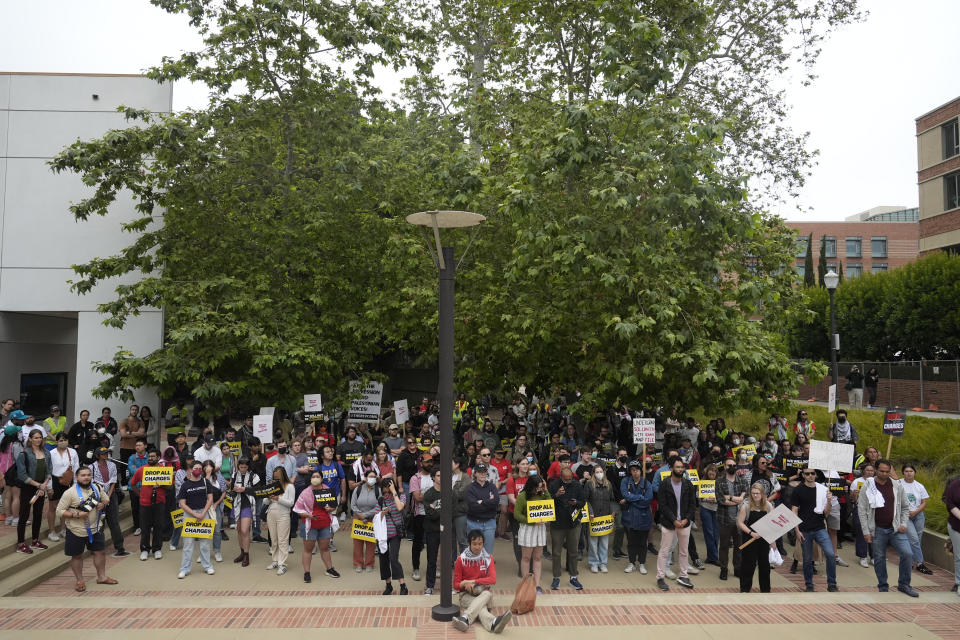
(539, 591)
(332, 573)
(460, 623)
(173, 547)
(603, 569)
(651, 549)
(698, 563)
(684, 582)
(144, 555)
(864, 562)
(289, 548)
(233, 525)
(53, 537)
(921, 568)
(670, 574)
(136, 531)
(36, 544)
(282, 569)
(908, 590)
(224, 536)
(261, 539)
(210, 571)
(692, 571)
(428, 591)
(157, 555)
(629, 568)
(662, 584)
(121, 553)
(358, 569)
(416, 574)
(306, 577)
(333, 547)
(218, 556)
(832, 588)
(271, 566)
(809, 588)
(555, 584)
(594, 569)
(841, 562)
(500, 622)
(642, 568)
(619, 555)
(403, 590)
(576, 584)
(547, 555)
(23, 548)
(368, 570)
(181, 575)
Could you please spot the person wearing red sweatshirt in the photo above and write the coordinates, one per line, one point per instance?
(473, 576)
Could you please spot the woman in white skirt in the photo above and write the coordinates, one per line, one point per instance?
(531, 537)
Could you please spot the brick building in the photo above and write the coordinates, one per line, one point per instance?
(874, 241)
(938, 178)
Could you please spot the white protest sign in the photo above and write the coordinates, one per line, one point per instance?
(401, 410)
(832, 399)
(263, 428)
(267, 411)
(644, 431)
(831, 456)
(312, 403)
(776, 523)
(366, 408)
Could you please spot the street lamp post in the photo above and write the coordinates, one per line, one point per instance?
(443, 258)
(831, 280)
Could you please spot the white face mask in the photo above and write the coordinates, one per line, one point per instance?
(736, 442)
(371, 481)
(598, 475)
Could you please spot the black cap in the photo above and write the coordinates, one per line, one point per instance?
(209, 439)
(480, 468)
(636, 463)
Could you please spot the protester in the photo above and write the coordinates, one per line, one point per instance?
(474, 574)
(811, 504)
(870, 381)
(392, 502)
(195, 498)
(244, 505)
(432, 527)
(365, 504)
(756, 554)
(81, 511)
(803, 426)
(278, 520)
(677, 503)
(483, 504)
(884, 516)
(419, 483)
(863, 550)
(218, 487)
(531, 536)
(569, 499)
(917, 497)
(153, 510)
(951, 498)
(854, 387)
(33, 472)
(637, 517)
(708, 516)
(65, 463)
(10, 448)
(316, 525)
(599, 496)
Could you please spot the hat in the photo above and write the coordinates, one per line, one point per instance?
(101, 451)
(426, 457)
(636, 463)
(480, 468)
(209, 439)
(18, 415)
(54, 408)
(392, 427)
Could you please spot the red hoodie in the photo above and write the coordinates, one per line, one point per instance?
(473, 571)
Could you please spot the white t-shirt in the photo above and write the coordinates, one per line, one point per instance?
(856, 484)
(916, 493)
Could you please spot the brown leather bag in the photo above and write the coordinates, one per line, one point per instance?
(526, 598)
(67, 478)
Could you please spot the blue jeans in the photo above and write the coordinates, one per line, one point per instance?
(186, 559)
(955, 539)
(862, 546)
(915, 535)
(883, 538)
(710, 528)
(218, 530)
(822, 538)
(489, 530)
(597, 550)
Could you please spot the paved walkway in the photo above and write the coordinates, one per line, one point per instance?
(150, 596)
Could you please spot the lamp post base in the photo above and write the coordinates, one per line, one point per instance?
(442, 613)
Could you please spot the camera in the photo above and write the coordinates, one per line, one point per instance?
(88, 504)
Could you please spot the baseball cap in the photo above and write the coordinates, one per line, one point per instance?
(209, 439)
(101, 451)
(54, 408)
(636, 463)
(18, 415)
(480, 468)
(393, 427)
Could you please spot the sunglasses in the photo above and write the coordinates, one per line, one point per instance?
(484, 455)
(809, 473)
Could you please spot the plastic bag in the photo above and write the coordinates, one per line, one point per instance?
(526, 598)
(775, 558)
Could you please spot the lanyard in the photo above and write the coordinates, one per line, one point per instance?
(87, 521)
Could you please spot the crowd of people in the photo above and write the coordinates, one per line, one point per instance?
(319, 480)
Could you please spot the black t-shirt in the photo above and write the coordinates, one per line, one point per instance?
(804, 498)
(194, 492)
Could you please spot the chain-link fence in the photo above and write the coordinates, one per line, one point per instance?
(931, 385)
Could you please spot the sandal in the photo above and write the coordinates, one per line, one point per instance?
(107, 580)
(81, 587)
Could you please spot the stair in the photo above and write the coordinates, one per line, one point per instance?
(19, 572)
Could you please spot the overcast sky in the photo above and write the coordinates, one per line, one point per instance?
(875, 78)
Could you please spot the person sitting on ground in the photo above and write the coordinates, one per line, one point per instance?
(473, 575)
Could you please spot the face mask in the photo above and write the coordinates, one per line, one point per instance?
(371, 481)
(736, 442)
(282, 451)
(622, 460)
(678, 474)
(841, 420)
(316, 481)
(532, 472)
(101, 431)
(598, 475)
(197, 474)
(717, 454)
(61, 444)
(530, 459)
(743, 455)
(731, 470)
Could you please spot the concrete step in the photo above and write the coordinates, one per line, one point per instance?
(20, 573)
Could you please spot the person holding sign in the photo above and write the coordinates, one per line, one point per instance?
(244, 504)
(884, 514)
(531, 536)
(152, 506)
(278, 520)
(599, 497)
(316, 524)
(392, 502)
(365, 504)
(754, 556)
(707, 492)
(637, 492)
(677, 500)
(811, 503)
(195, 499)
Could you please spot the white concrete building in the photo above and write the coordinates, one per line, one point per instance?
(49, 336)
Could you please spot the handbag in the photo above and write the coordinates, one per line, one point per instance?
(66, 478)
(526, 598)
(775, 558)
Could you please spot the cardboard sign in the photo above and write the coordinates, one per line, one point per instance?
(401, 410)
(263, 428)
(665, 474)
(749, 448)
(268, 411)
(794, 463)
(894, 420)
(177, 517)
(327, 498)
(836, 485)
(365, 408)
(313, 460)
(236, 448)
(271, 488)
(362, 531)
(601, 526)
(541, 511)
(831, 456)
(157, 476)
(581, 515)
(832, 398)
(707, 489)
(644, 431)
(193, 528)
(694, 476)
(312, 403)
(776, 523)
(228, 501)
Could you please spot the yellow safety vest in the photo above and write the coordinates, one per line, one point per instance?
(53, 428)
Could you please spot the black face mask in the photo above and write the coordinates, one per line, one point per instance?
(282, 451)
(623, 460)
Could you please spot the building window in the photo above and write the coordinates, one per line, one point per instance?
(830, 246)
(878, 247)
(951, 189)
(878, 267)
(951, 138)
(802, 247)
(854, 246)
(854, 269)
(799, 269)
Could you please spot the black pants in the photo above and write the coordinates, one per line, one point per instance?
(729, 538)
(134, 508)
(433, 550)
(26, 492)
(637, 544)
(152, 519)
(390, 561)
(122, 468)
(113, 521)
(515, 530)
(755, 556)
(416, 530)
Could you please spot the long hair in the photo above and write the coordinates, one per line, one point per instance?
(593, 484)
(762, 505)
(284, 478)
(530, 488)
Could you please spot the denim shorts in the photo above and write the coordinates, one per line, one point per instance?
(315, 534)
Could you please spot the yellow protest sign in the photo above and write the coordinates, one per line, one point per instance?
(694, 475)
(750, 449)
(363, 531)
(707, 489)
(235, 448)
(157, 476)
(584, 514)
(193, 528)
(665, 474)
(228, 501)
(177, 517)
(540, 511)
(601, 526)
